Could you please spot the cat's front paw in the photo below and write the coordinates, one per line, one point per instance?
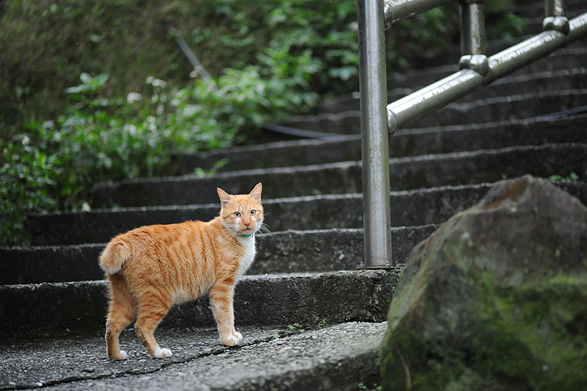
(120, 356)
(162, 353)
(231, 340)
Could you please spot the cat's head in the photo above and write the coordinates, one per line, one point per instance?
(242, 215)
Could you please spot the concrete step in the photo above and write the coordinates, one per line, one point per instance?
(451, 55)
(405, 142)
(572, 57)
(509, 107)
(281, 252)
(535, 8)
(559, 79)
(62, 286)
(338, 357)
(462, 168)
(408, 208)
(521, 106)
(306, 298)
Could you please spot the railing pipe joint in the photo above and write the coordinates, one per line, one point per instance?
(476, 62)
(555, 16)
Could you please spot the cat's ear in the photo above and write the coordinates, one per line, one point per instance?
(225, 198)
(256, 192)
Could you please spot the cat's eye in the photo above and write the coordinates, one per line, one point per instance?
(253, 212)
(237, 214)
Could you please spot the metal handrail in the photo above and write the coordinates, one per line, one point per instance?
(379, 120)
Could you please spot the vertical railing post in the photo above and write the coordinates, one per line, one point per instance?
(473, 39)
(375, 137)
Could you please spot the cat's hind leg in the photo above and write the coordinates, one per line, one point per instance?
(121, 313)
(152, 309)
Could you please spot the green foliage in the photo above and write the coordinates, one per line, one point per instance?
(534, 334)
(60, 134)
(559, 178)
(507, 26)
(363, 387)
(295, 327)
(232, 109)
(202, 173)
(99, 139)
(26, 183)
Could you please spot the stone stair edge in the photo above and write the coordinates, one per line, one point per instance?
(442, 71)
(480, 111)
(520, 97)
(533, 81)
(451, 55)
(345, 164)
(526, 85)
(496, 151)
(484, 125)
(207, 159)
(271, 201)
(457, 104)
(260, 236)
(344, 354)
(259, 300)
(285, 252)
(325, 213)
(430, 170)
(446, 69)
(530, 8)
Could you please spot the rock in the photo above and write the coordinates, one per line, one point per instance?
(496, 298)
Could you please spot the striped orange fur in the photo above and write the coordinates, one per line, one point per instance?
(153, 267)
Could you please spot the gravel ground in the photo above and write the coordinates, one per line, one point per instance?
(339, 356)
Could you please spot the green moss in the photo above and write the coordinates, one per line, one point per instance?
(534, 334)
(529, 337)
(491, 310)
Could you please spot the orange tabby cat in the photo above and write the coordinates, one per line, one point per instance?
(151, 268)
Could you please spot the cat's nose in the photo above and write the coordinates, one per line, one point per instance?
(247, 224)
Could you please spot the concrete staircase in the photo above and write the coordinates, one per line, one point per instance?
(311, 317)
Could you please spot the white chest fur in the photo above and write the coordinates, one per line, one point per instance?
(247, 259)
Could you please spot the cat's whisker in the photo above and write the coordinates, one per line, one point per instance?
(264, 229)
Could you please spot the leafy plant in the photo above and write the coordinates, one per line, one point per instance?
(268, 59)
(100, 139)
(89, 84)
(295, 327)
(363, 387)
(559, 178)
(27, 180)
(95, 141)
(202, 173)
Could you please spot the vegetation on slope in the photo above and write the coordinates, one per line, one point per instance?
(101, 92)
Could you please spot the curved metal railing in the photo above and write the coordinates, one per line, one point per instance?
(379, 120)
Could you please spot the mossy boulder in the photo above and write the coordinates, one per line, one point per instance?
(496, 298)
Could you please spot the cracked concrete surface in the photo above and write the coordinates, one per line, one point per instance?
(269, 358)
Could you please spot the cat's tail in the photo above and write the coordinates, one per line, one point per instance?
(114, 256)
